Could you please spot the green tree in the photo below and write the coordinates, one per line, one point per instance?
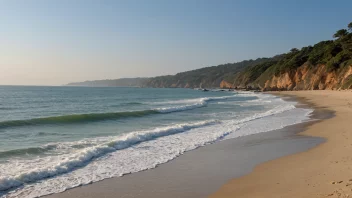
(340, 33)
(350, 26)
(294, 50)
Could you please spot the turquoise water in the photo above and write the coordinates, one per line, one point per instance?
(56, 138)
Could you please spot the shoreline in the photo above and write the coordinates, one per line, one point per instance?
(322, 171)
(193, 174)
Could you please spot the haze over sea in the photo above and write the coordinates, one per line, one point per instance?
(62, 137)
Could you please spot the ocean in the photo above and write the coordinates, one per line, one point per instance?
(56, 138)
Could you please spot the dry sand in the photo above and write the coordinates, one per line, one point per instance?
(323, 171)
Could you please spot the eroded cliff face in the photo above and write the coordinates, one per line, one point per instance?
(304, 78)
(224, 84)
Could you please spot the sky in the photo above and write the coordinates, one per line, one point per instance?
(54, 42)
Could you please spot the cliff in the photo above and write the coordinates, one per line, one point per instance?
(305, 77)
(315, 78)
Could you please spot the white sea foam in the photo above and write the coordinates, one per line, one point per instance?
(197, 103)
(79, 159)
(181, 108)
(275, 110)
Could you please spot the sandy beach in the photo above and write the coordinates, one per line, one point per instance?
(323, 171)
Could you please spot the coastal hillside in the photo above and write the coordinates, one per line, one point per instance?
(207, 77)
(122, 82)
(326, 65)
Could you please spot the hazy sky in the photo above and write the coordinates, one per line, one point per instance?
(55, 42)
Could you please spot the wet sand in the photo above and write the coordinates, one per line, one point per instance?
(201, 172)
(323, 171)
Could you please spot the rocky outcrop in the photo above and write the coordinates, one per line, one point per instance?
(226, 85)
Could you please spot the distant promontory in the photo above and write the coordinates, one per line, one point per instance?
(122, 82)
